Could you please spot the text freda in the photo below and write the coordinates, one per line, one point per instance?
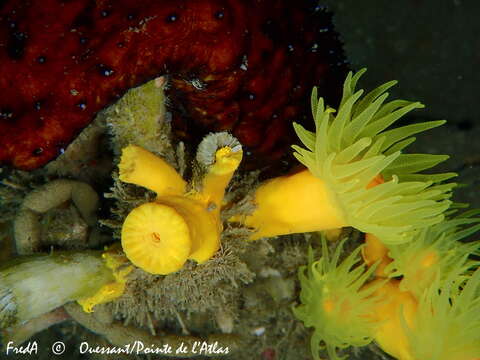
(28, 349)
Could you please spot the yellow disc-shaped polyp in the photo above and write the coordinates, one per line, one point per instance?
(156, 238)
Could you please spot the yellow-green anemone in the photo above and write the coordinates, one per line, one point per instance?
(435, 252)
(351, 148)
(335, 302)
(447, 324)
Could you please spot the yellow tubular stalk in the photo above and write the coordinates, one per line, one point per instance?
(375, 251)
(293, 204)
(203, 226)
(140, 167)
(219, 175)
(390, 333)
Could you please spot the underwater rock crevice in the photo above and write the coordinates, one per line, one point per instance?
(28, 224)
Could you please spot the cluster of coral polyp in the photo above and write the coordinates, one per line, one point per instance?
(357, 175)
(181, 223)
(238, 65)
(417, 291)
(245, 66)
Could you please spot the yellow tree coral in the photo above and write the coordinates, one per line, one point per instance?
(343, 156)
(181, 224)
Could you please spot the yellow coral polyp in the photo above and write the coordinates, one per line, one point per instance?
(434, 253)
(364, 179)
(336, 303)
(447, 324)
(118, 263)
(160, 236)
(156, 238)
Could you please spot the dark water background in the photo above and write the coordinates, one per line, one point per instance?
(432, 47)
